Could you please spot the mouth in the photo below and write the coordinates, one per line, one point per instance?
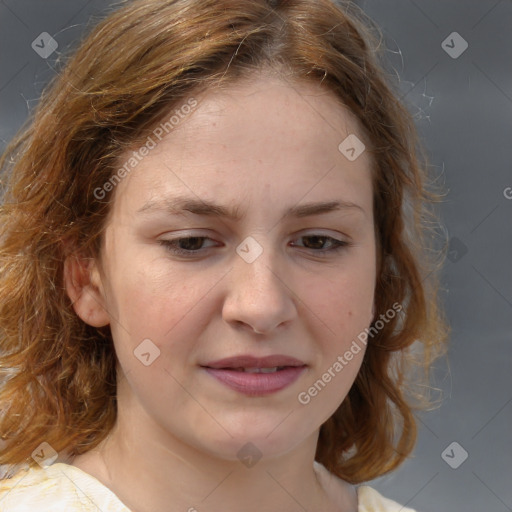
(257, 370)
(253, 363)
(255, 376)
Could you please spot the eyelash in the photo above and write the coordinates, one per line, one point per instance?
(172, 245)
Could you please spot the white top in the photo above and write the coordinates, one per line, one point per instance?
(65, 488)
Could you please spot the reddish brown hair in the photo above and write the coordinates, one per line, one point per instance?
(146, 57)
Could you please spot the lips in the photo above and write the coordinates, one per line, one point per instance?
(255, 376)
(251, 362)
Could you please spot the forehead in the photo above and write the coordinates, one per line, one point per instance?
(285, 114)
(283, 136)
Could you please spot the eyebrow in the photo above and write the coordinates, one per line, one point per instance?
(180, 205)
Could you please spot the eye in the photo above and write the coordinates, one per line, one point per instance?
(186, 246)
(322, 245)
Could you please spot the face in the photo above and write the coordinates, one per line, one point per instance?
(245, 231)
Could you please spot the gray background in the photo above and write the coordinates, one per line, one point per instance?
(463, 108)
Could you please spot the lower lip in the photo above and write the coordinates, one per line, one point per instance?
(257, 384)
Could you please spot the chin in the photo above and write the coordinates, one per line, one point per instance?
(253, 440)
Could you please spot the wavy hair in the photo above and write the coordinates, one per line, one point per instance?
(58, 375)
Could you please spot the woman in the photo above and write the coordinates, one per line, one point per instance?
(214, 261)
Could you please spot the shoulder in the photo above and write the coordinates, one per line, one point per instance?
(371, 500)
(368, 499)
(56, 488)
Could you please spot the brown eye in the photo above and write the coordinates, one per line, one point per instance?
(322, 243)
(186, 246)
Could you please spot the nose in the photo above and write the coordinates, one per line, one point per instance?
(259, 297)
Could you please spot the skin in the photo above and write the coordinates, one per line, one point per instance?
(263, 145)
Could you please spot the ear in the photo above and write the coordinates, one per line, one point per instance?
(84, 287)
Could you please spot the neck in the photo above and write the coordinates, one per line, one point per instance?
(148, 477)
(150, 470)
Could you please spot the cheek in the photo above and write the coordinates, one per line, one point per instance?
(343, 302)
(145, 286)
(341, 309)
(162, 302)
